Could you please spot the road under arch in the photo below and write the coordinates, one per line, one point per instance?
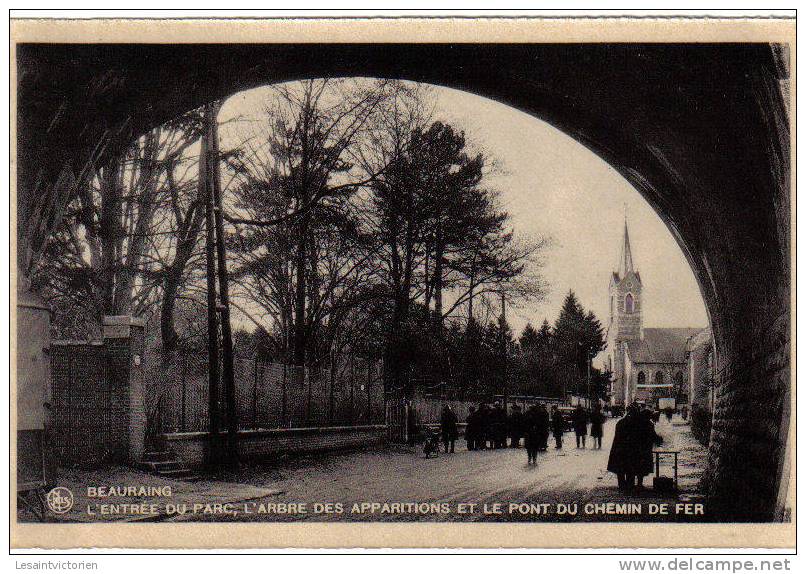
(700, 130)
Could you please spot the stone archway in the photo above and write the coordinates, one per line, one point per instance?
(700, 130)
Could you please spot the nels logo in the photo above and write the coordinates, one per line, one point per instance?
(60, 500)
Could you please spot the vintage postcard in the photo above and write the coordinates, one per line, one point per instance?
(405, 283)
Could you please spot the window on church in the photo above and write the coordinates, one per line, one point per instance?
(641, 378)
(659, 378)
(629, 303)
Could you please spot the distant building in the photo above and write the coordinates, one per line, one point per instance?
(647, 363)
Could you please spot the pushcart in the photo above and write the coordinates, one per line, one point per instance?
(664, 483)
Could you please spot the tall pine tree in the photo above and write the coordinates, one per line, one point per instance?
(578, 334)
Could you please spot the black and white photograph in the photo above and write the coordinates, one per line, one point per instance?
(544, 282)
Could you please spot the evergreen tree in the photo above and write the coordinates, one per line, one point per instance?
(578, 335)
(569, 328)
(544, 336)
(593, 333)
(472, 358)
(529, 337)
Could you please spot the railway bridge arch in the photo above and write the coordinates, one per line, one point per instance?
(700, 130)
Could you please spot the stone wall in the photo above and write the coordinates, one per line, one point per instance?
(268, 444)
(700, 379)
(750, 427)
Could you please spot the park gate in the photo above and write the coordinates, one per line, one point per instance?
(87, 403)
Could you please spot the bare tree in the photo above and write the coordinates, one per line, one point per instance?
(298, 180)
(120, 244)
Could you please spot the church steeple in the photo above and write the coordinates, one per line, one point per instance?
(625, 261)
(626, 316)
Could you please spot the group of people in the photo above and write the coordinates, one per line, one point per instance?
(489, 427)
(580, 419)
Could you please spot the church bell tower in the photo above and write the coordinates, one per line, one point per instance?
(626, 322)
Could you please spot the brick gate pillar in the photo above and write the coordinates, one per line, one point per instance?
(124, 343)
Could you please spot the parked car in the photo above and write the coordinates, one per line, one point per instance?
(616, 411)
(568, 417)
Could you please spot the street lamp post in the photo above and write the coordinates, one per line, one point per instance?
(590, 401)
(505, 350)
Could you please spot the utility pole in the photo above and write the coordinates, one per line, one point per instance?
(332, 381)
(214, 452)
(223, 286)
(504, 350)
(589, 379)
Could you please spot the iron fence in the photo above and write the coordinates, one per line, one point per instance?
(268, 395)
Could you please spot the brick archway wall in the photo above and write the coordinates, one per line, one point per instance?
(700, 130)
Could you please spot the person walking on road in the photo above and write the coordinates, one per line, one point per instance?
(498, 420)
(516, 426)
(544, 426)
(448, 424)
(472, 428)
(531, 427)
(484, 426)
(597, 426)
(580, 420)
(557, 426)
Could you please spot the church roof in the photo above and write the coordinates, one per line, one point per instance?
(661, 345)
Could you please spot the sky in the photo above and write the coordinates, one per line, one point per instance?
(554, 186)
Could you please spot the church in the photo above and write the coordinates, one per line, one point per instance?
(647, 364)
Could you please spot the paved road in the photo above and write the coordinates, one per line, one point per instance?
(566, 476)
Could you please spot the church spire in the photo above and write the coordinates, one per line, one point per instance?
(625, 261)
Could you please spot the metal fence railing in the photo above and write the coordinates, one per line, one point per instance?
(268, 395)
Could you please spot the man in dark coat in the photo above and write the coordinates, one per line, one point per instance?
(448, 425)
(483, 426)
(532, 432)
(557, 426)
(597, 426)
(631, 453)
(472, 428)
(623, 452)
(580, 420)
(516, 428)
(543, 426)
(647, 440)
(500, 428)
